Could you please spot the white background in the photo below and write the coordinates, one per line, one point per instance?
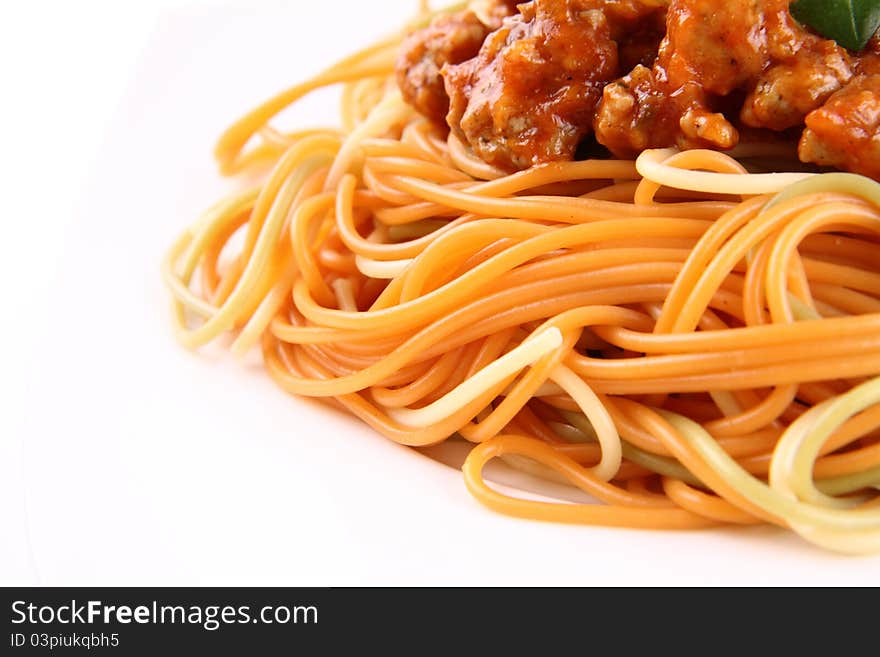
(124, 459)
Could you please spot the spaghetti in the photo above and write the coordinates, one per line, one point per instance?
(688, 339)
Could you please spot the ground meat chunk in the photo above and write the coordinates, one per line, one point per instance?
(787, 92)
(845, 132)
(449, 39)
(530, 94)
(717, 44)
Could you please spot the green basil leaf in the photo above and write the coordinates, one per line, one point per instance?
(851, 23)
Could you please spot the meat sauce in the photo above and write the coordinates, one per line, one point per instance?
(526, 84)
(712, 50)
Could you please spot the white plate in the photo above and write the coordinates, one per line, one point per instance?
(146, 464)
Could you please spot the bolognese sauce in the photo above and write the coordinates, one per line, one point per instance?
(526, 84)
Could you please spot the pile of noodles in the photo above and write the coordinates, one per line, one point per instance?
(690, 341)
